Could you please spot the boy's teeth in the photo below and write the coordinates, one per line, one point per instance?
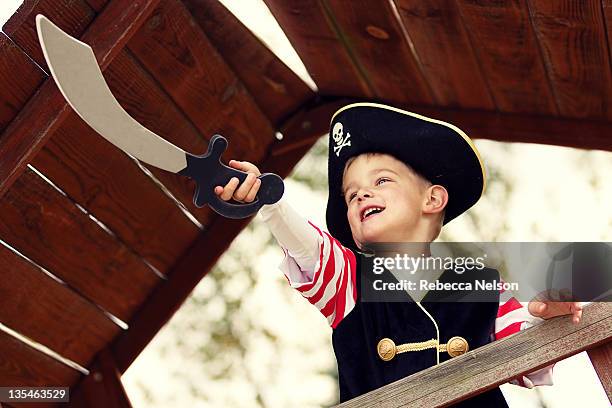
(370, 211)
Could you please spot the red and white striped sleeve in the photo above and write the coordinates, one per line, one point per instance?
(332, 286)
(512, 317)
(315, 263)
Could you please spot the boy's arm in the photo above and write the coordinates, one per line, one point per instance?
(299, 240)
(315, 263)
(512, 317)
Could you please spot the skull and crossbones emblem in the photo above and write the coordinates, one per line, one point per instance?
(339, 138)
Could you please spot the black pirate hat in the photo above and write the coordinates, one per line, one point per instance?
(438, 151)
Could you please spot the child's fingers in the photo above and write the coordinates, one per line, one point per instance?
(577, 316)
(253, 192)
(228, 189)
(576, 309)
(548, 309)
(242, 191)
(235, 164)
(566, 306)
(545, 309)
(245, 166)
(536, 308)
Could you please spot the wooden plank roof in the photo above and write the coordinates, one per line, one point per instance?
(112, 230)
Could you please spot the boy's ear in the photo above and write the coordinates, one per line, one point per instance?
(436, 198)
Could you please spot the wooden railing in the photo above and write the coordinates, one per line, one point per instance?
(496, 363)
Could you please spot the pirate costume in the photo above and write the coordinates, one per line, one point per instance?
(376, 343)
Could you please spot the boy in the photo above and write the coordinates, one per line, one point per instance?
(394, 176)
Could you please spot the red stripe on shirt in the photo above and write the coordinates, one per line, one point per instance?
(509, 306)
(508, 330)
(353, 265)
(328, 309)
(328, 274)
(341, 295)
(338, 300)
(309, 286)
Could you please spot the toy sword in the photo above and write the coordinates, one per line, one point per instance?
(77, 74)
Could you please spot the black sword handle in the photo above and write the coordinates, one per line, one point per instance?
(208, 171)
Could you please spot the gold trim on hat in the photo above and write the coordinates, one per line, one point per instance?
(425, 118)
(455, 346)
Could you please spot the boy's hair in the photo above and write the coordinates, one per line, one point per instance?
(370, 154)
(425, 182)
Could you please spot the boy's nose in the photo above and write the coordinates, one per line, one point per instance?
(363, 194)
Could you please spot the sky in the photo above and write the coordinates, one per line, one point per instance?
(559, 194)
(7, 8)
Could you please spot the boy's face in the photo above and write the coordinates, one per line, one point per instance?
(384, 199)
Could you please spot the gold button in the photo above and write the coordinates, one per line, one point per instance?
(386, 349)
(457, 346)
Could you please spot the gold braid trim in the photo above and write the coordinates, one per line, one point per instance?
(402, 348)
(456, 346)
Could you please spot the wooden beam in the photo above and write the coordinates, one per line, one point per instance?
(168, 296)
(321, 47)
(276, 89)
(144, 99)
(601, 358)
(102, 388)
(496, 363)
(15, 93)
(100, 177)
(49, 313)
(71, 16)
(375, 39)
(524, 128)
(303, 129)
(49, 229)
(47, 109)
(23, 366)
(173, 48)
(606, 9)
(574, 48)
(503, 127)
(111, 186)
(447, 57)
(97, 5)
(507, 50)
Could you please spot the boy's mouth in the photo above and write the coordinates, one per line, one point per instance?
(370, 211)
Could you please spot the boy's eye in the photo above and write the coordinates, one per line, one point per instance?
(381, 180)
(351, 196)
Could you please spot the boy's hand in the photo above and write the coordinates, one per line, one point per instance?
(545, 308)
(248, 190)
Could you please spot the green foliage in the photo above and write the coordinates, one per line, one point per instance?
(312, 169)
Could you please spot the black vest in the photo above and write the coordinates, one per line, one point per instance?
(355, 339)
